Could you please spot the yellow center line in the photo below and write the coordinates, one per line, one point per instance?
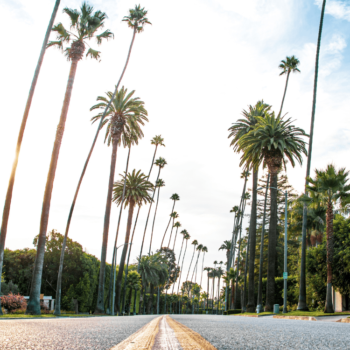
(164, 333)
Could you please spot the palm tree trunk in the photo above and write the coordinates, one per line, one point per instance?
(182, 264)
(302, 285)
(259, 301)
(244, 309)
(33, 306)
(178, 261)
(171, 232)
(271, 268)
(208, 291)
(7, 206)
(284, 94)
(59, 278)
(150, 300)
(232, 294)
(154, 220)
(239, 255)
(167, 225)
(202, 268)
(175, 238)
(137, 216)
(252, 237)
(101, 283)
(123, 256)
(330, 252)
(194, 250)
(114, 260)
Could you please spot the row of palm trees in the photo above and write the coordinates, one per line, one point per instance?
(120, 111)
(264, 138)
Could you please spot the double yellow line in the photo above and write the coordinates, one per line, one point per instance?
(164, 333)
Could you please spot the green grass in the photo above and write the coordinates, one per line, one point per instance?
(253, 313)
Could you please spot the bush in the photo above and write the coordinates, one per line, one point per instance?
(44, 309)
(7, 288)
(233, 311)
(13, 302)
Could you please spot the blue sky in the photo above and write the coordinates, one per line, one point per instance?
(196, 68)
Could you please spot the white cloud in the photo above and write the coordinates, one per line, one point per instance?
(338, 9)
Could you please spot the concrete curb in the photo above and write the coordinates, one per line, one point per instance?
(300, 318)
(344, 320)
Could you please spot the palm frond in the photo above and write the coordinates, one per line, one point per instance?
(93, 54)
(73, 15)
(105, 35)
(62, 34)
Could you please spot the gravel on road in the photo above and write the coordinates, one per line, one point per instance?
(232, 332)
(96, 333)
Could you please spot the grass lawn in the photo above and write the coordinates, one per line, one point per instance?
(253, 313)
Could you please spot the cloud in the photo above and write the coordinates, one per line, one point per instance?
(337, 9)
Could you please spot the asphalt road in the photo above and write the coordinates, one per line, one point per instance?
(232, 332)
(224, 332)
(97, 333)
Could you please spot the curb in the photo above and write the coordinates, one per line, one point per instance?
(344, 320)
(300, 318)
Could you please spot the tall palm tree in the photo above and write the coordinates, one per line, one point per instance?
(302, 284)
(213, 272)
(333, 184)
(175, 197)
(199, 250)
(220, 272)
(177, 225)
(86, 24)
(174, 215)
(160, 183)
(8, 199)
(136, 20)
(237, 131)
(272, 140)
(138, 191)
(124, 117)
(289, 65)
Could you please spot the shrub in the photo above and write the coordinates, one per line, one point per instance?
(233, 311)
(13, 302)
(44, 309)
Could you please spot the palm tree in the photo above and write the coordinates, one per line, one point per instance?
(123, 118)
(199, 249)
(174, 215)
(213, 272)
(137, 192)
(156, 141)
(177, 225)
(7, 206)
(333, 184)
(220, 272)
(136, 20)
(160, 183)
(86, 23)
(302, 284)
(290, 64)
(237, 131)
(272, 140)
(226, 246)
(175, 197)
(186, 237)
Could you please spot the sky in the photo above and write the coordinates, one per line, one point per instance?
(198, 65)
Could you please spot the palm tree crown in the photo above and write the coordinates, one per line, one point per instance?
(175, 197)
(290, 64)
(124, 116)
(137, 19)
(160, 183)
(86, 24)
(243, 126)
(157, 141)
(137, 189)
(161, 162)
(272, 140)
